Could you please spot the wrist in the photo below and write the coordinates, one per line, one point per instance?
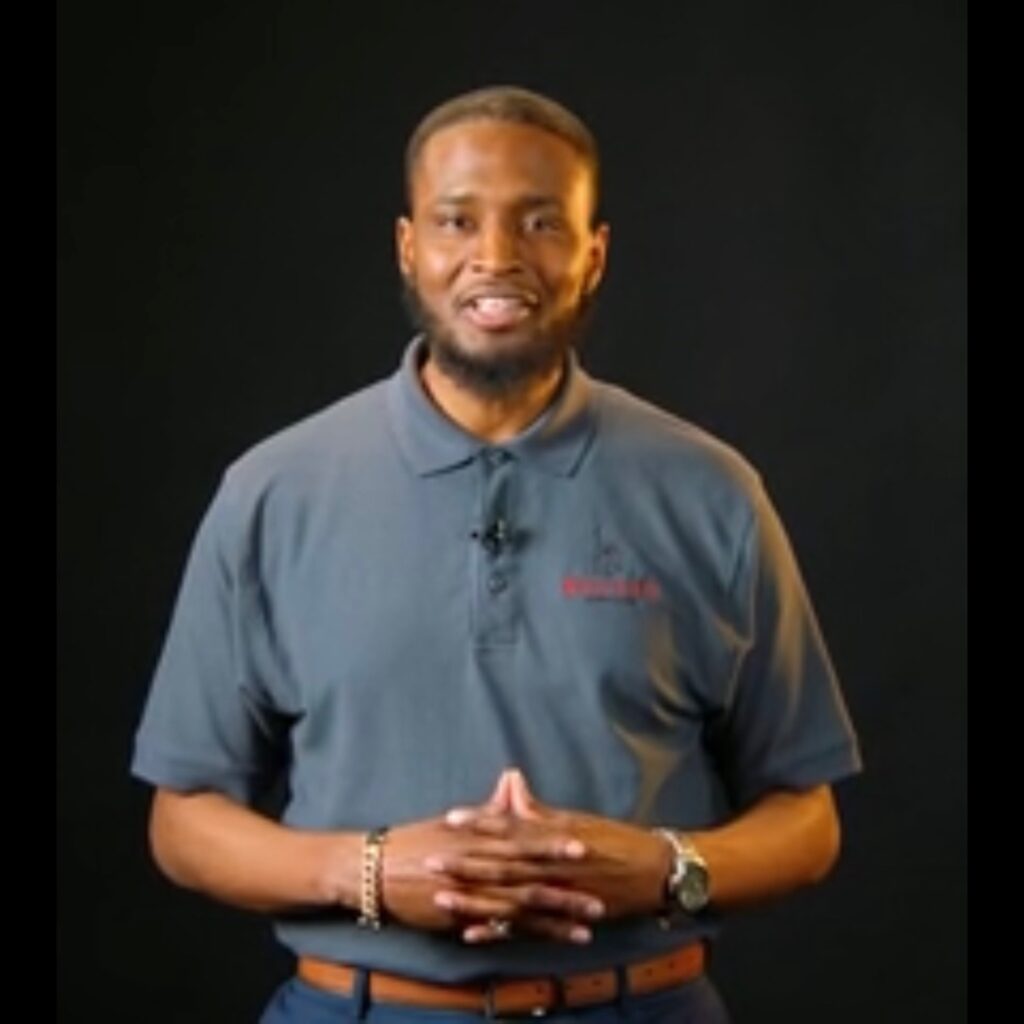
(688, 884)
(659, 859)
(338, 861)
(371, 879)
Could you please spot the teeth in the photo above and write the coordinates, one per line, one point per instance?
(499, 312)
(497, 303)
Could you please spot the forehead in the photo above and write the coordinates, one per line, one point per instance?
(499, 160)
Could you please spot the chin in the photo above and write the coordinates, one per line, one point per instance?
(494, 363)
(493, 367)
(478, 344)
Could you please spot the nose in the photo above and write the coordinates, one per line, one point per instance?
(497, 249)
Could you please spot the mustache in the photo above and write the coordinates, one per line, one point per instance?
(496, 374)
(424, 321)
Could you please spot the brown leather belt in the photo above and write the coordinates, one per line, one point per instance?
(533, 996)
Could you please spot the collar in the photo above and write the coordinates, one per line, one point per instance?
(432, 443)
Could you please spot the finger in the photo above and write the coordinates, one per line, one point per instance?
(500, 799)
(535, 845)
(498, 803)
(555, 928)
(478, 933)
(538, 850)
(478, 869)
(511, 900)
(525, 900)
(569, 903)
(524, 803)
(535, 924)
(480, 819)
(475, 904)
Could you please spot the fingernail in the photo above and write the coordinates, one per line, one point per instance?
(444, 899)
(459, 816)
(575, 849)
(435, 864)
(580, 935)
(595, 909)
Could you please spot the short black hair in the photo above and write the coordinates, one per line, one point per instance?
(506, 103)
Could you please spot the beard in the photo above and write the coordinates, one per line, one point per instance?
(498, 374)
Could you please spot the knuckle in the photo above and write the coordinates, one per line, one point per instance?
(533, 893)
(553, 929)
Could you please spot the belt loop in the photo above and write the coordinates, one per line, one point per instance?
(559, 1003)
(623, 995)
(489, 1007)
(361, 992)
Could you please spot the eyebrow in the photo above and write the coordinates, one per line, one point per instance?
(456, 198)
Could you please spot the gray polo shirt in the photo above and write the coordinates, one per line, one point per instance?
(390, 612)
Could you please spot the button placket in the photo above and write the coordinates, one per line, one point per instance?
(496, 557)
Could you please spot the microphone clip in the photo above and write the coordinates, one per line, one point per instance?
(494, 537)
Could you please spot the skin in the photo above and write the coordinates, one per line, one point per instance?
(782, 842)
(500, 211)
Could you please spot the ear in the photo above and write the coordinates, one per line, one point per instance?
(597, 258)
(404, 249)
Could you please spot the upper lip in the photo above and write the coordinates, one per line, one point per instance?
(498, 291)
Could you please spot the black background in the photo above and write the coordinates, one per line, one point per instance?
(786, 189)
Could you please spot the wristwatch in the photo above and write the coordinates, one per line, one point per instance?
(688, 884)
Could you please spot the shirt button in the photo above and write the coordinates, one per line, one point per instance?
(496, 456)
(497, 582)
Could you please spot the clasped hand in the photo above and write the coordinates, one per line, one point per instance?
(548, 872)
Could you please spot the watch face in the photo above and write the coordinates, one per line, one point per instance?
(692, 891)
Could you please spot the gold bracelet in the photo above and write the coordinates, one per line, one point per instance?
(370, 879)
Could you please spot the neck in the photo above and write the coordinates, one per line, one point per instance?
(491, 418)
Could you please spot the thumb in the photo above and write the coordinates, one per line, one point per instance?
(523, 803)
(501, 799)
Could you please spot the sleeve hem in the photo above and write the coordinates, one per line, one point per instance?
(828, 766)
(189, 776)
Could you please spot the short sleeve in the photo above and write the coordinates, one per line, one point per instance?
(209, 722)
(787, 726)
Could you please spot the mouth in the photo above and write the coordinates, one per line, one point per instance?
(493, 309)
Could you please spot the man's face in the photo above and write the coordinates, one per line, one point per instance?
(498, 255)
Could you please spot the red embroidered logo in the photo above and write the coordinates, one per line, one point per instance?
(612, 588)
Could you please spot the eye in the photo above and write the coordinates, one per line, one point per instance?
(453, 221)
(544, 222)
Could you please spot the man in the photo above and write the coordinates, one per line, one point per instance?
(533, 656)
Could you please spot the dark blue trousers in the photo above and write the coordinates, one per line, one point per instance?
(296, 1002)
